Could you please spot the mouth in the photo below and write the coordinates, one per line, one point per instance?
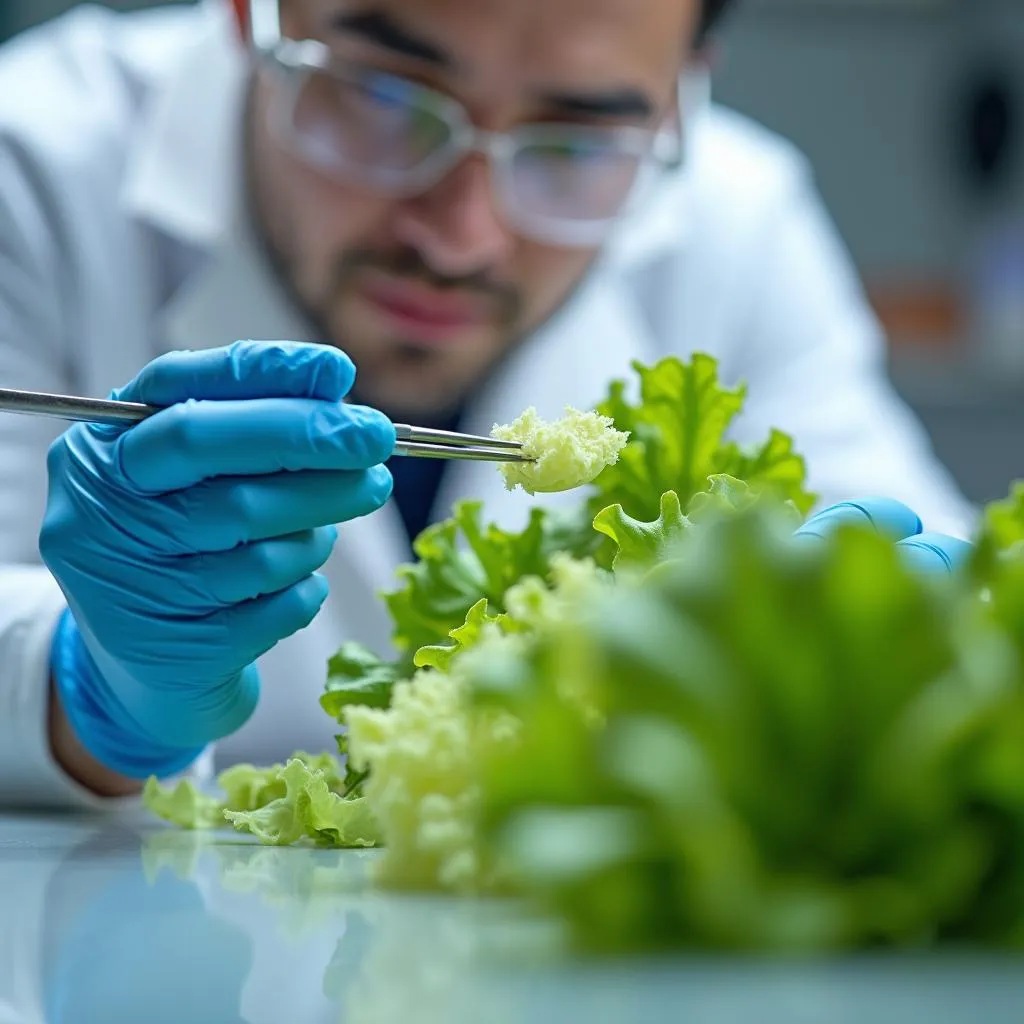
(422, 314)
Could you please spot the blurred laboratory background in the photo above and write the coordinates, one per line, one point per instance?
(912, 114)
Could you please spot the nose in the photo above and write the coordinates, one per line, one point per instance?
(455, 226)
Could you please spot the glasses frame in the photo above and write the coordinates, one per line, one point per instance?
(657, 150)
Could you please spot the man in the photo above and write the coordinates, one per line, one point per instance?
(486, 205)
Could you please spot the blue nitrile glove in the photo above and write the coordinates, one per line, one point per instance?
(187, 545)
(927, 552)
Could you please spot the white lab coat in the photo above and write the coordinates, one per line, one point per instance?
(120, 238)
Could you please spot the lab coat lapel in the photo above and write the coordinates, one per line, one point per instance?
(570, 362)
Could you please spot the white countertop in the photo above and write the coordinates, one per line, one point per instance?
(106, 922)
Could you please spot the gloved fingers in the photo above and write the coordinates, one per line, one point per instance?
(221, 514)
(188, 714)
(196, 441)
(245, 369)
(256, 626)
(935, 553)
(225, 578)
(890, 518)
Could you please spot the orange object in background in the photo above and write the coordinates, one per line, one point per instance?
(921, 315)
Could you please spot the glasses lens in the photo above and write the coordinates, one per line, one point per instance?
(584, 177)
(371, 123)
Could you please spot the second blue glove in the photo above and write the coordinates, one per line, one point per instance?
(926, 552)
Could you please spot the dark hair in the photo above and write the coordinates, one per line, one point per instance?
(710, 16)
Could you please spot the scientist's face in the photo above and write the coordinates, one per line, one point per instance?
(425, 271)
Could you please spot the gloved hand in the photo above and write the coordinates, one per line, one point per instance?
(187, 545)
(927, 552)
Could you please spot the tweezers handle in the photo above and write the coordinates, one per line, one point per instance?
(442, 444)
(79, 410)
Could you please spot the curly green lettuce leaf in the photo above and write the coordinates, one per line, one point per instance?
(678, 440)
(566, 453)
(676, 443)
(749, 693)
(460, 562)
(183, 805)
(773, 467)
(309, 808)
(421, 755)
(464, 637)
(247, 787)
(639, 542)
(355, 675)
(1004, 520)
(307, 797)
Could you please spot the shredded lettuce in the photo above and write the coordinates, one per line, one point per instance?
(567, 453)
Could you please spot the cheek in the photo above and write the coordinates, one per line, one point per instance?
(326, 220)
(550, 275)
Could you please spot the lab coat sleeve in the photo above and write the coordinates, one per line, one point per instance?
(36, 353)
(813, 355)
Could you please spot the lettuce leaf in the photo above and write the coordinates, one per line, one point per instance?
(678, 441)
(799, 750)
(308, 808)
(639, 542)
(461, 561)
(1004, 520)
(355, 675)
(183, 805)
(308, 797)
(465, 636)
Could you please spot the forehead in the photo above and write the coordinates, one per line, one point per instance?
(564, 41)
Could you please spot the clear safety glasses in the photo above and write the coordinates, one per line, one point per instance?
(560, 184)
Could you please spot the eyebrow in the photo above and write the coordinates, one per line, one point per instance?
(622, 103)
(380, 29)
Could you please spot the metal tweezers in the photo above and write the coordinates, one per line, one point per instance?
(421, 442)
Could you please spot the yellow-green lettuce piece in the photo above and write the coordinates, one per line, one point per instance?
(183, 805)
(308, 808)
(568, 452)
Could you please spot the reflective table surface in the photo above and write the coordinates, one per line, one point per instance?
(126, 922)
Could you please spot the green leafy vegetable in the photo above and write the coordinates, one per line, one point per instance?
(184, 805)
(566, 454)
(663, 723)
(799, 750)
(637, 541)
(465, 636)
(356, 675)
(678, 441)
(421, 754)
(461, 561)
(1004, 520)
(307, 797)
(309, 808)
